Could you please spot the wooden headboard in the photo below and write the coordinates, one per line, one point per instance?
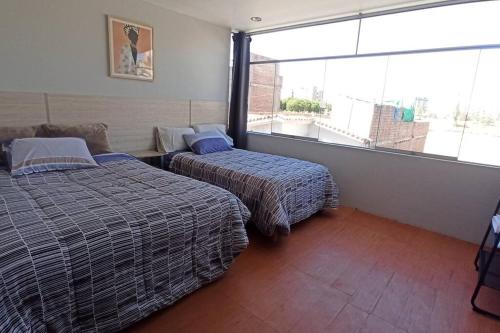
(22, 109)
(131, 121)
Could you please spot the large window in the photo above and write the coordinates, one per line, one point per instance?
(423, 82)
(316, 41)
(449, 26)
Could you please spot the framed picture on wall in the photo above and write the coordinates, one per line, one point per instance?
(130, 49)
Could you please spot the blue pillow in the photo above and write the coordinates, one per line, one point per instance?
(206, 142)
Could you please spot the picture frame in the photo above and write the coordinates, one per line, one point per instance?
(130, 48)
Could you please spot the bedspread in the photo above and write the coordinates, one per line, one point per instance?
(279, 191)
(98, 249)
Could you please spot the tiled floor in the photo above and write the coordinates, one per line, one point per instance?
(341, 271)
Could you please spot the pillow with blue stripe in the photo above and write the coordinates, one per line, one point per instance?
(32, 155)
(8, 133)
(206, 142)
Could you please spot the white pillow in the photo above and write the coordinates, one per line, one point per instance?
(170, 139)
(33, 155)
(221, 128)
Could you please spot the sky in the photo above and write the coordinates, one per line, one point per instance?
(446, 79)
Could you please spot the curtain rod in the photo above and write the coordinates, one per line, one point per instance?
(365, 15)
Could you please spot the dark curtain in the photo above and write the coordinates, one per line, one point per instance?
(238, 108)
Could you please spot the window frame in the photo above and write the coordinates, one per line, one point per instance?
(355, 55)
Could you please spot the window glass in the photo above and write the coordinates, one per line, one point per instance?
(300, 86)
(317, 41)
(353, 87)
(437, 103)
(448, 26)
(425, 100)
(263, 98)
(481, 140)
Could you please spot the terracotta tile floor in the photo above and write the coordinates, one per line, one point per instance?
(340, 271)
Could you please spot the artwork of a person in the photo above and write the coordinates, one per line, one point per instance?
(130, 49)
(128, 52)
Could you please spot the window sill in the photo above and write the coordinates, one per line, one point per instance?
(388, 151)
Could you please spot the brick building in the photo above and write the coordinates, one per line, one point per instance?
(392, 132)
(265, 87)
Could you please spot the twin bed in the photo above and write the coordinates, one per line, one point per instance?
(99, 248)
(279, 191)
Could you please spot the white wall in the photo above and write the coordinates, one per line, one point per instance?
(60, 46)
(456, 199)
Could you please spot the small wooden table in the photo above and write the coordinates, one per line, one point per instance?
(151, 157)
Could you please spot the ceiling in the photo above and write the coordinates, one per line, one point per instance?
(236, 13)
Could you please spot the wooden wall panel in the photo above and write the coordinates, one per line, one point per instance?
(208, 112)
(22, 109)
(131, 121)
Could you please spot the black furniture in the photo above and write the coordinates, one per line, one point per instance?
(151, 157)
(487, 264)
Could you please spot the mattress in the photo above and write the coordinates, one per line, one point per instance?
(279, 191)
(95, 250)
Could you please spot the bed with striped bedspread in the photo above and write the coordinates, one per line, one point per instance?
(279, 191)
(95, 250)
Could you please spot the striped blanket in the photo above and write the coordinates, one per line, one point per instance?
(279, 191)
(95, 250)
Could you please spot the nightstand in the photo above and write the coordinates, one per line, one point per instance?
(151, 157)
